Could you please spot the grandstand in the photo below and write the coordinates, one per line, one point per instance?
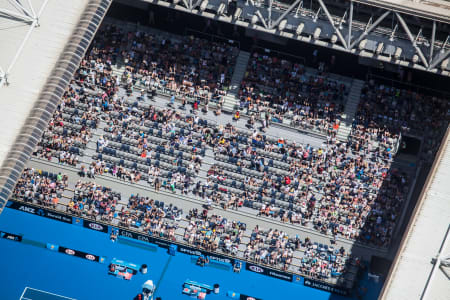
(208, 141)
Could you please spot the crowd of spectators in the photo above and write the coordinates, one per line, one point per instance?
(69, 129)
(213, 232)
(277, 88)
(154, 218)
(94, 201)
(385, 113)
(187, 66)
(43, 187)
(334, 189)
(323, 261)
(272, 247)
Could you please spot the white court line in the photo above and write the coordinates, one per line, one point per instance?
(46, 293)
(23, 293)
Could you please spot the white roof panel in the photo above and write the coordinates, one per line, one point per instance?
(413, 276)
(30, 71)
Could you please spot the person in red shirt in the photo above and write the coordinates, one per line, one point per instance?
(287, 180)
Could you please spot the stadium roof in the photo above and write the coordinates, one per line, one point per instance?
(417, 272)
(41, 47)
(34, 63)
(437, 10)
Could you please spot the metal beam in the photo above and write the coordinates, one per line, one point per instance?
(342, 19)
(258, 13)
(411, 38)
(269, 17)
(435, 264)
(298, 8)
(2, 76)
(17, 15)
(411, 8)
(331, 20)
(196, 4)
(368, 30)
(20, 7)
(32, 9)
(316, 15)
(439, 59)
(350, 23)
(274, 24)
(22, 45)
(433, 34)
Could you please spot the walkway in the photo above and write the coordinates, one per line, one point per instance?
(231, 99)
(351, 107)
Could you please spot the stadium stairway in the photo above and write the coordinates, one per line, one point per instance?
(92, 143)
(351, 107)
(118, 70)
(231, 99)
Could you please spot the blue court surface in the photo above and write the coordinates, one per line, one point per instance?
(34, 272)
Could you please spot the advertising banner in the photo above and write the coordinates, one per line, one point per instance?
(95, 226)
(78, 253)
(145, 238)
(35, 210)
(325, 287)
(212, 256)
(10, 236)
(268, 271)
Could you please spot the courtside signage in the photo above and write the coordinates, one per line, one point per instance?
(325, 287)
(10, 236)
(144, 238)
(78, 253)
(268, 272)
(35, 210)
(95, 226)
(212, 256)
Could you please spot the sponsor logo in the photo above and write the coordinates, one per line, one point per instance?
(96, 226)
(189, 251)
(256, 269)
(325, 287)
(223, 260)
(126, 234)
(143, 238)
(40, 212)
(275, 274)
(56, 217)
(27, 209)
(70, 252)
(90, 256)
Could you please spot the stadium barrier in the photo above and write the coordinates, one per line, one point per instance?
(166, 244)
